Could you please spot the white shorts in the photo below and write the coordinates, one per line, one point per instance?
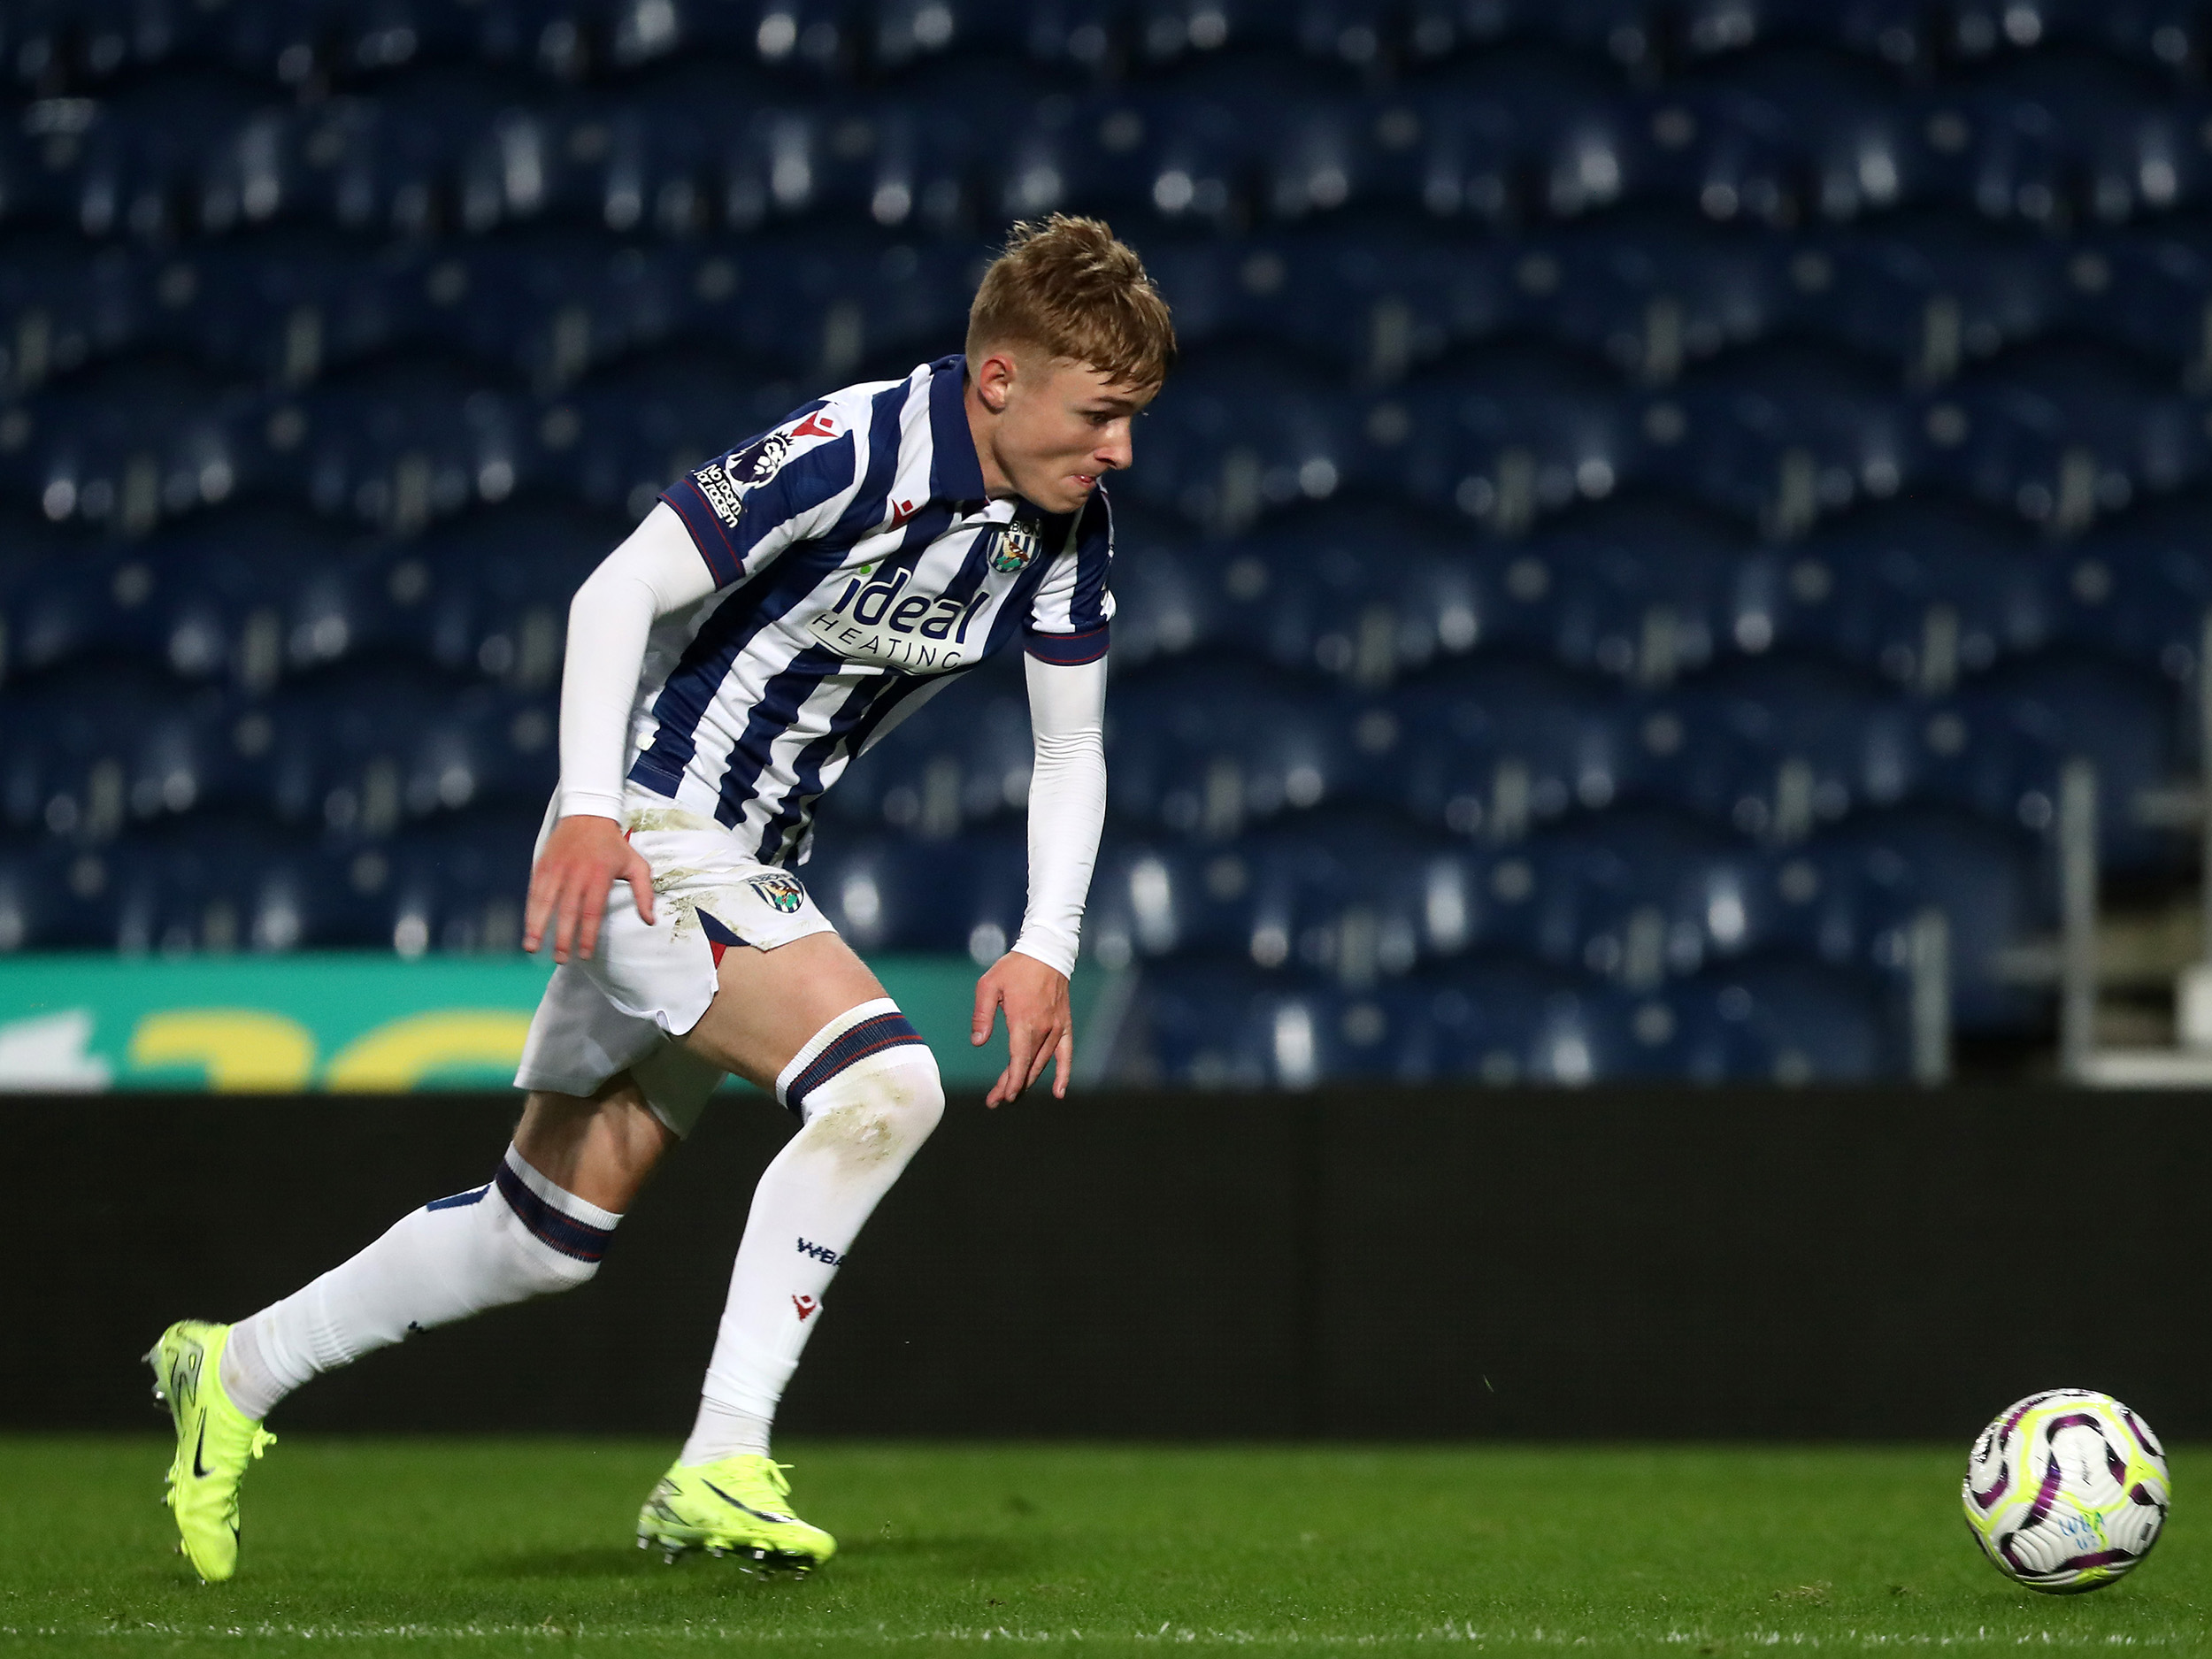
(623, 1008)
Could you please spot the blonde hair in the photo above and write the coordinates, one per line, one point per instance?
(1068, 288)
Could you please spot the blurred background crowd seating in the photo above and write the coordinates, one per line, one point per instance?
(1655, 492)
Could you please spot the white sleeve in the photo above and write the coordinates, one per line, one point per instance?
(656, 570)
(1067, 804)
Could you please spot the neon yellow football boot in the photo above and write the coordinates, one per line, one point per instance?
(740, 1507)
(215, 1442)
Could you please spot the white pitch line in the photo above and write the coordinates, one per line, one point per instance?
(1451, 1633)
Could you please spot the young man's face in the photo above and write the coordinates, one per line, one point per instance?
(1049, 429)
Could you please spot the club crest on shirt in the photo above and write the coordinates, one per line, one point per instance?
(1018, 544)
(725, 483)
(779, 891)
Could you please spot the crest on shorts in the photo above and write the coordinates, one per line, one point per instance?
(782, 892)
(1018, 544)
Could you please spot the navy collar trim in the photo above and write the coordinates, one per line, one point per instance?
(956, 473)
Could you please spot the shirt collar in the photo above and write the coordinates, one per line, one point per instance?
(956, 473)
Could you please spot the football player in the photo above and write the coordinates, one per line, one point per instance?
(780, 609)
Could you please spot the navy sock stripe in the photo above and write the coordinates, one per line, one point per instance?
(872, 1035)
(554, 1228)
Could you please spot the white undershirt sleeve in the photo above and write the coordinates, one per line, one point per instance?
(1067, 804)
(656, 570)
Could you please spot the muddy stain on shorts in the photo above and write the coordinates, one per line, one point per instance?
(664, 820)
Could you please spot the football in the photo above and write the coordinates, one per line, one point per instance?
(2066, 1491)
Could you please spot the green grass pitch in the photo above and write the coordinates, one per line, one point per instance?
(485, 1547)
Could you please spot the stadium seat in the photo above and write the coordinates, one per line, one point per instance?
(1202, 751)
(963, 896)
(1893, 32)
(1771, 1022)
(1782, 135)
(1775, 750)
(2063, 435)
(1238, 439)
(1626, 33)
(128, 444)
(1374, 307)
(457, 887)
(1356, 594)
(60, 310)
(2050, 138)
(2143, 291)
(362, 749)
(487, 596)
(101, 749)
(1495, 748)
(136, 165)
(806, 40)
(1530, 133)
(615, 444)
(2139, 588)
(1931, 301)
(1634, 897)
(1999, 746)
(1643, 592)
(1517, 436)
(1165, 584)
(1145, 156)
(1851, 898)
(1653, 301)
(1207, 1027)
(2160, 34)
(1507, 1022)
(1782, 436)
(1348, 897)
(820, 312)
(1922, 593)
(1080, 38)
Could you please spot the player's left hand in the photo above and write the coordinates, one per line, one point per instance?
(1039, 1027)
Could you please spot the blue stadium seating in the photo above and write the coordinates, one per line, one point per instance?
(1999, 746)
(1921, 593)
(1792, 1023)
(1203, 750)
(1774, 750)
(1654, 496)
(1850, 898)
(1209, 1028)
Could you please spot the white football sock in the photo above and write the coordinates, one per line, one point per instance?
(867, 1090)
(720, 1432)
(518, 1237)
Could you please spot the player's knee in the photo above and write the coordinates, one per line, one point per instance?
(883, 1110)
(868, 1070)
(913, 1093)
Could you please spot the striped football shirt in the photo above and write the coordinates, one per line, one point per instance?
(860, 569)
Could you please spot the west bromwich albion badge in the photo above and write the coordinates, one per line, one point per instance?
(780, 891)
(1018, 544)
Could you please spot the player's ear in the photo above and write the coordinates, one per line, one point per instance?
(995, 379)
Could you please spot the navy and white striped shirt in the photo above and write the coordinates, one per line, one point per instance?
(860, 569)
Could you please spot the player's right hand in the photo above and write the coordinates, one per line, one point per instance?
(583, 858)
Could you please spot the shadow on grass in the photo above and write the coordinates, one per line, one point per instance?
(977, 1555)
(938, 1557)
(607, 1561)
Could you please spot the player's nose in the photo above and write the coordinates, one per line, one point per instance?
(1116, 452)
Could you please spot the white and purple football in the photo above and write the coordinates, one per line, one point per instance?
(2066, 1491)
